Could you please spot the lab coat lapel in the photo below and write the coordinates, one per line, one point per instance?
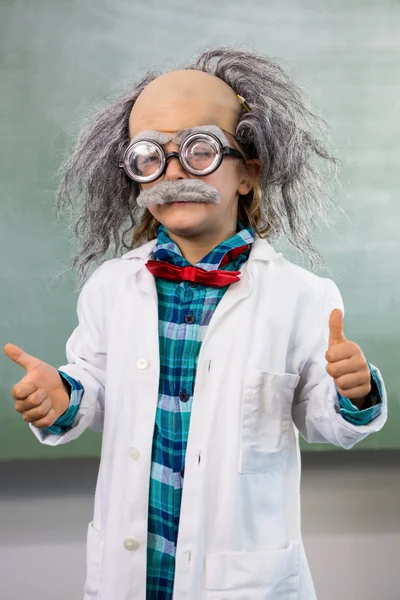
(260, 251)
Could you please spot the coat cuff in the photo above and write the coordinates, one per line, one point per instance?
(357, 416)
(64, 422)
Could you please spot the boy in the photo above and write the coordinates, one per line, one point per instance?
(200, 354)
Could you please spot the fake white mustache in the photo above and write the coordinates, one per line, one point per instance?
(183, 190)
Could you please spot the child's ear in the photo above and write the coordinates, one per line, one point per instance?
(255, 167)
(251, 172)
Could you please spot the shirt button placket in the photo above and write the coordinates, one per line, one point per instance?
(184, 396)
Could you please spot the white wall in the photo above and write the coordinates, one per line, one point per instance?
(351, 526)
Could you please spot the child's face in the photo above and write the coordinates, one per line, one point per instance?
(178, 105)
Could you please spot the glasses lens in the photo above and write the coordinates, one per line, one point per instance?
(144, 160)
(201, 154)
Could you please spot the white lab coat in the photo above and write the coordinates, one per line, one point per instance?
(261, 378)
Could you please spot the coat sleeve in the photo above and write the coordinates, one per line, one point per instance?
(316, 405)
(86, 351)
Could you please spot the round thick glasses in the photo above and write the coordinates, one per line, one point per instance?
(199, 154)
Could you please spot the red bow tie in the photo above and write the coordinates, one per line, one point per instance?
(216, 278)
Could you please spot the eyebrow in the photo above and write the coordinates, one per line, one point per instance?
(156, 136)
(214, 129)
(163, 138)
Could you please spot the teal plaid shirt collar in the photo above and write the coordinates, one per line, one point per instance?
(168, 251)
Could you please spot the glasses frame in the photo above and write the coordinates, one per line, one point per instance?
(221, 152)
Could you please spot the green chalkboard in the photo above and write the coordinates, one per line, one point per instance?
(59, 57)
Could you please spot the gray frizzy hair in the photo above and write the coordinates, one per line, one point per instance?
(280, 131)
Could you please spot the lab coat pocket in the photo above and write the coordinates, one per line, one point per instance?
(266, 418)
(94, 555)
(270, 575)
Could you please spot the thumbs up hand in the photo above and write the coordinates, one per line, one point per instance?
(40, 396)
(346, 363)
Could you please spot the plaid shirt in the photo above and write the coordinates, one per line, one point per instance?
(185, 310)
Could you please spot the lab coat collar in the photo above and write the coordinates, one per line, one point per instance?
(260, 250)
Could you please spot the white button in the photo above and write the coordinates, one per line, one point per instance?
(131, 544)
(135, 454)
(142, 363)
